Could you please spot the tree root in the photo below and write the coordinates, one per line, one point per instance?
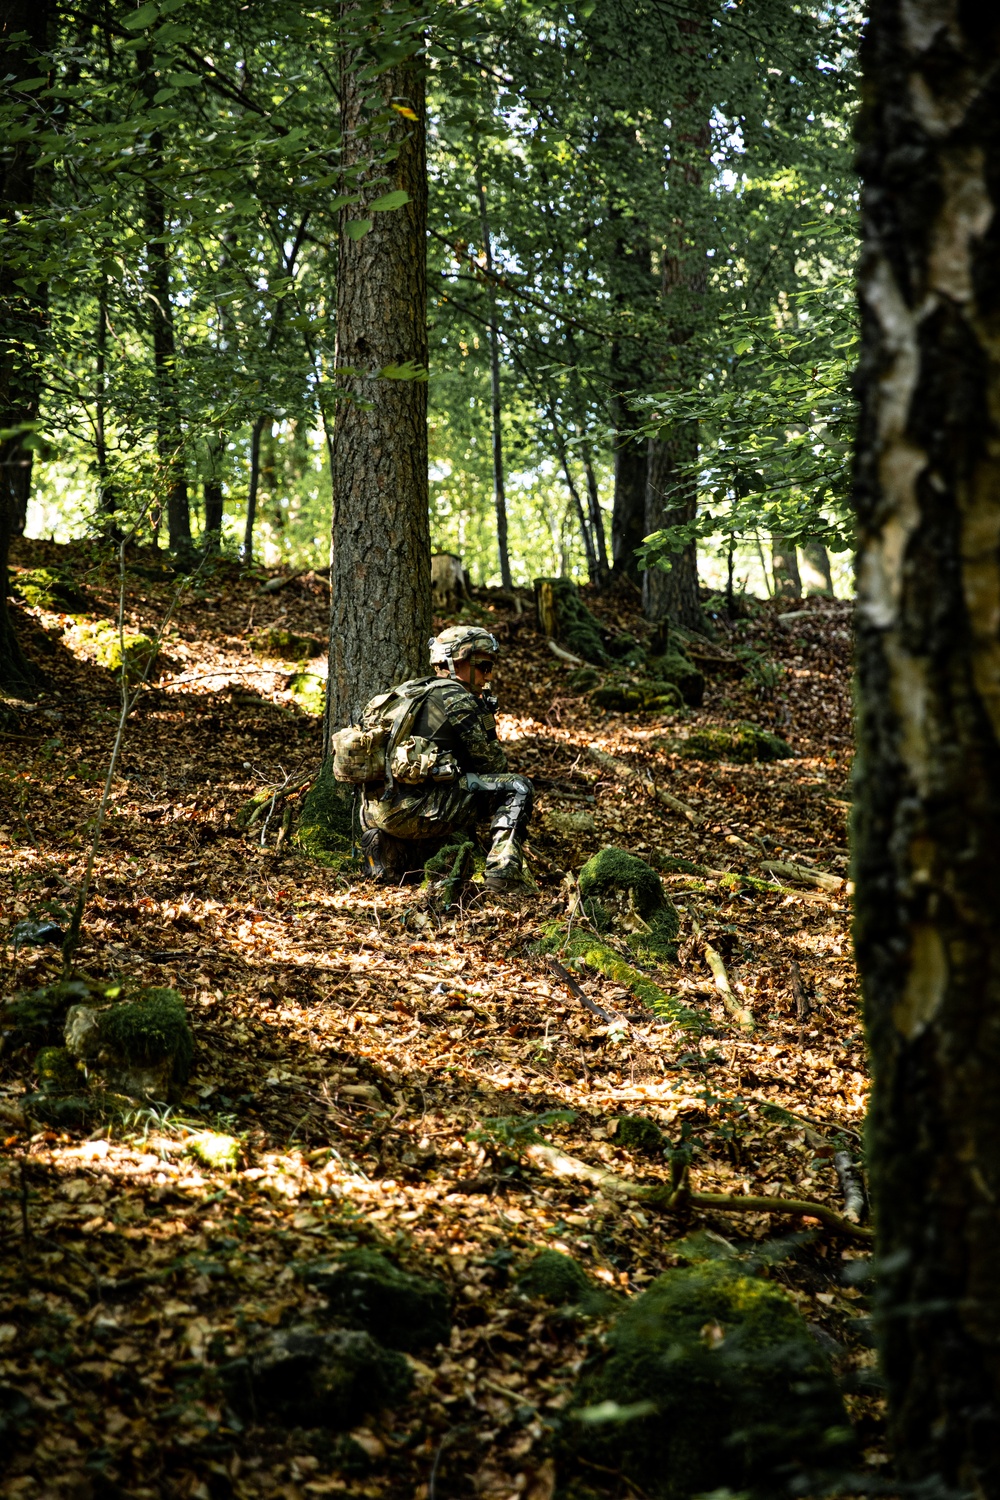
(678, 1194)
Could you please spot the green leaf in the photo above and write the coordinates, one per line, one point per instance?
(356, 229)
(389, 201)
(144, 16)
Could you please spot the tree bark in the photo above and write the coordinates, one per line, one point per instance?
(785, 568)
(246, 552)
(380, 566)
(22, 313)
(927, 829)
(628, 515)
(596, 517)
(817, 563)
(169, 434)
(671, 501)
(630, 277)
(107, 500)
(499, 496)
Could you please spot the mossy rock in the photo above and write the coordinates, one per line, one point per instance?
(625, 648)
(558, 1280)
(308, 689)
(582, 679)
(675, 668)
(563, 615)
(142, 1047)
(37, 1018)
(286, 645)
(47, 588)
(710, 1381)
(570, 825)
(367, 1291)
(631, 892)
(140, 650)
(56, 1071)
(637, 1133)
(583, 947)
(326, 823)
(302, 1377)
(744, 744)
(218, 1152)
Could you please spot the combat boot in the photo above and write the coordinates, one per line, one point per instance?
(374, 855)
(505, 872)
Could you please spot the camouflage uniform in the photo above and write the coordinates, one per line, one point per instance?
(413, 821)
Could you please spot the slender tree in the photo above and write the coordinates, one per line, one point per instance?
(24, 26)
(927, 832)
(380, 554)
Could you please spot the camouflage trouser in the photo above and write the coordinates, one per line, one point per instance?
(431, 813)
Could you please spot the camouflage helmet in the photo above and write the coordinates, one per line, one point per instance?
(461, 641)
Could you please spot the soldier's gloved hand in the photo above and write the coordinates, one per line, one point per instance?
(489, 701)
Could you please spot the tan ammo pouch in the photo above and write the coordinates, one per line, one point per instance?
(414, 759)
(359, 754)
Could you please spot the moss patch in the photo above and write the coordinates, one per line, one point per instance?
(582, 679)
(219, 1152)
(557, 1279)
(104, 641)
(637, 697)
(325, 828)
(710, 1380)
(744, 744)
(636, 1133)
(308, 689)
(448, 871)
(366, 1290)
(674, 668)
(285, 644)
(630, 892)
(586, 948)
(150, 1030)
(579, 630)
(45, 588)
(56, 1071)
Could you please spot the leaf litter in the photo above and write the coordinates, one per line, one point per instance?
(373, 1068)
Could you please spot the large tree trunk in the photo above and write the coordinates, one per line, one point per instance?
(380, 569)
(628, 515)
(671, 500)
(630, 277)
(22, 311)
(927, 831)
(169, 430)
(785, 568)
(814, 568)
(499, 494)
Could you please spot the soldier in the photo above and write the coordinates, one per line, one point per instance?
(453, 733)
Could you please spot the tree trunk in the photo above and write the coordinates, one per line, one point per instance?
(380, 569)
(22, 312)
(927, 829)
(671, 501)
(499, 496)
(630, 277)
(214, 499)
(785, 568)
(107, 501)
(169, 436)
(596, 517)
(581, 515)
(628, 516)
(246, 552)
(814, 568)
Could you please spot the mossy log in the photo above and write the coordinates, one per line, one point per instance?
(563, 617)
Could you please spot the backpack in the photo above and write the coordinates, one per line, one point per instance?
(381, 744)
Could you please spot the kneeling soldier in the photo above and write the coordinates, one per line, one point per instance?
(444, 769)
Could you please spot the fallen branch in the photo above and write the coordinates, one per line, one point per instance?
(678, 1194)
(567, 979)
(802, 874)
(850, 1186)
(274, 584)
(739, 1013)
(626, 772)
(567, 656)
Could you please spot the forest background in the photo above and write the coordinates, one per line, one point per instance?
(641, 232)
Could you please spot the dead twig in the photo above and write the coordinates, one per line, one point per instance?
(803, 875)
(850, 1186)
(567, 979)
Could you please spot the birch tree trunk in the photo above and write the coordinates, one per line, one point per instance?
(927, 832)
(380, 569)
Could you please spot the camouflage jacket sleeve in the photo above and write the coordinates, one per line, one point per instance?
(456, 720)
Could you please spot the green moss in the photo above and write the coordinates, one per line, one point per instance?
(582, 679)
(584, 947)
(733, 881)
(150, 1030)
(631, 891)
(56, 1071)
(448, 871)
(140, 649)
(675, 668)
(309, 692)
(579, 630)
(636, 1133)
(219, 1152)
(673, 866)
(365, 1290)
(710, 1379)
(37, 1018)
(745, 743)
(325, 828)
(285, 644)
(557, 1279)
(47, 588)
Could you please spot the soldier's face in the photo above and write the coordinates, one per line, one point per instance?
(476, 671)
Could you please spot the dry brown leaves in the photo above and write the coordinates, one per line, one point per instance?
(356, 1045)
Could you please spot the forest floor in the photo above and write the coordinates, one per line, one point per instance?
(356, 1043)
